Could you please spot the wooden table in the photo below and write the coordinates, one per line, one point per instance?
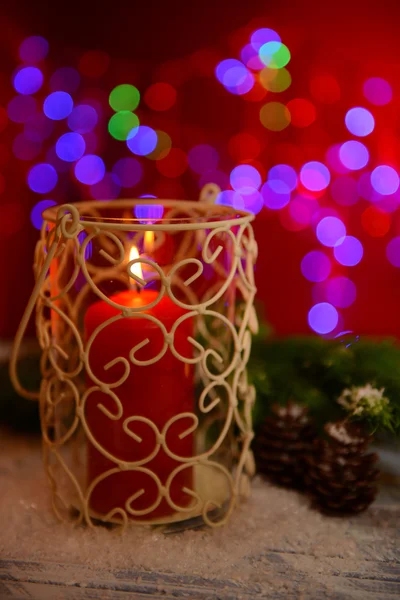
(276, 546)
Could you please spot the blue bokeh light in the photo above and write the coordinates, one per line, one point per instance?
(36, 212)
(83, 118)
(149, 213)
(28, 80)
(230, 198)
(359, 121)
(263, 36)
(330, 230)
(250, 58)
(348, 251)
(284, 174)
(353, 155)
(323, 318)
(142, 140)
(129, 171)
(42, 178)
(315, 176)
(90, 169)
(70, 147)
(385, 180)
(33, 49)
(58, 106)
(341, 291)
(275, 194)
(253, 202)
(235, 76)
(21, 108)
(393, 252)
(316, 266)
(245, 179)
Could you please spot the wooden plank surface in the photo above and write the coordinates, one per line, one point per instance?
(276, 546)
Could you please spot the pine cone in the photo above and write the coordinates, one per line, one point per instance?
(340, 474)
(281, 442)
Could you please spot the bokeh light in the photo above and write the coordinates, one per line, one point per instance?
(333, 160)
(70, 147)
(359, 121)
(90, 169)
(353, 155)
(235, 76)
(164, 144)
(83, 118)
(375, 221)
(28, 80)
(274, 116)
(250, 58)
(263, 36)
(124, 97)
(33, 49)
(94, 63)
(316, 266)
(149, 213)
(203, 158)
(121, 124)
(344, 190)
(366, 190)
(275, 80)
(37, 210)
(42, 178)
(323, 318)
(142, 140)
(378, 91)
(174, 164)
(302, 211)
(275, 194)
(65, 79)
(253, 202)
(25, 149)
(245, 179)
(58, 106)
(341, 291)
(385, 180)
(230, 198)
(348, 251)
(285, 174)
(315, 176)
(330, 230)
(325, 89)
(393, 252)
(274, 55)
(244, 146)
(302, 112)
(160, 96)
(106, 189)
(128, 171)
(21, 108)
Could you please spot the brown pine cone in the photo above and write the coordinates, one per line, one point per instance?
(340, 474)
(281, 443)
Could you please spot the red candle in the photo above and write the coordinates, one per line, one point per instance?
(156, 392)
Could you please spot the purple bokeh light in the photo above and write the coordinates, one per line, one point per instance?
(106, 189)
(58, 106)
(28, 80)
(359, 121)
(276, 195)
(142, 140)
(90, 169)
(285, 174)
(378, 91)
(42, 178)
(385, 180)
(341, 292)
(316, 266)
(323, 318)
(330, 230)
(21, 108)
(33, 49)
(65, 79)
(203, 158)
(83, 118)
(37, 210)
(128, 171)
(348, 251)
(354, 155)
(70, 147)
(315, 176)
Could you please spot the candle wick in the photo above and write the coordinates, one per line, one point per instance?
(138, 288)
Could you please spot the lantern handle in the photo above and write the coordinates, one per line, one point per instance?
(19, 388)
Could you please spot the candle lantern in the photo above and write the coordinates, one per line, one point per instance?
(144, 314)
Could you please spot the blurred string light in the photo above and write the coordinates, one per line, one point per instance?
(128, 172)
(90, 169)
(28, 80)
(108, 188)
(275, 80)
(348, 251)
(21, 108)
(323, 318)
(37, 210)
(302, 210)
(263, 36)
(393, 252)
(359, 121)
(122, 123)
(234, 76)
(142, 140)
(163, 146)
(275, 116)
(378, 91)
(245, 179)
(353, 155)
(124, 97)
(250, 57)
(149, 213)
(83, 118)
(385, 180)
(276, 194)
(302, 112)
(65, 79)
(33, 49)
(316, 266)
(330, 230)
(42, 178)
(58, 106)
(274, 55)
(282, 177)
(315, 176)
(70, 147)
(344, 190)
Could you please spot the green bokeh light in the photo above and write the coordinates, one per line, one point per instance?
(274, 55)
(124, 97)
(122, 123)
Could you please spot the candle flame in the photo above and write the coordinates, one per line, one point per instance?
(148, 241)
(135, 269)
